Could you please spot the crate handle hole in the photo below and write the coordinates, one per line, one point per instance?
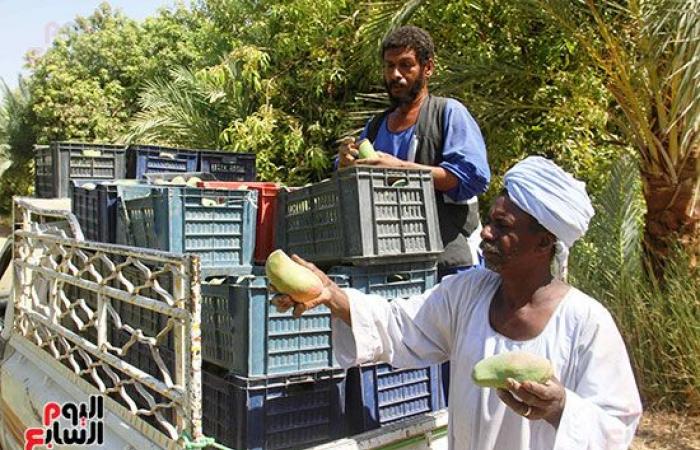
(167, 155)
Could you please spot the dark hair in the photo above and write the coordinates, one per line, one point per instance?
(413, 38)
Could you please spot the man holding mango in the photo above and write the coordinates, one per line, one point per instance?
(549, 369)
(420, 130)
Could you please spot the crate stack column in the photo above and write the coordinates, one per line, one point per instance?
(378, 229)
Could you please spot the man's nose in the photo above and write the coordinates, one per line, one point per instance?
(487, 233)
(395, 74)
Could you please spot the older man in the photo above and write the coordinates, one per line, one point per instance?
(516, 304)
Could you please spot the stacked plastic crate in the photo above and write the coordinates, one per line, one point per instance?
(275, 372)
(378, 229)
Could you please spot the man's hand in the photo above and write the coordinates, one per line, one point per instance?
(536, 400)
(347, 152)
(331, 295)
(384, 160)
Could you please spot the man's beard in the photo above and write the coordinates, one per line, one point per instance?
(408, 97)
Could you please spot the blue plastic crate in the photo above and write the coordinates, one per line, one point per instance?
(60, 163)
(143, 159)
(216, 225)
(227, 166)
(379, 394)
(242, 331)
(400, 280)
(281, 412)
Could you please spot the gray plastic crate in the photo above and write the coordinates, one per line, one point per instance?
(216, 225)
(362, 216)
(401, 280)
(59, 163)
(243, 332)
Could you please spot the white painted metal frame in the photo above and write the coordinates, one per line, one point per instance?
(48, 260)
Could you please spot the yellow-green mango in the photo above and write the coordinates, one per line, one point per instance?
(366, 150)
(521, 366)
(292, 278)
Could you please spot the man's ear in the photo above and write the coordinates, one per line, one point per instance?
(547, 241)
(429, 67)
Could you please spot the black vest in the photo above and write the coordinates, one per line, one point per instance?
(457, 221)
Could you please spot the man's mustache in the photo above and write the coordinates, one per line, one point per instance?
(490, 248)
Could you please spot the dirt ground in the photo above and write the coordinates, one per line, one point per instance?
(664, 431)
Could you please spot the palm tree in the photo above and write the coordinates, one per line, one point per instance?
(648, 53)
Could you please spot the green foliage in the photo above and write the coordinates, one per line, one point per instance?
(17, 139)
(660, 323)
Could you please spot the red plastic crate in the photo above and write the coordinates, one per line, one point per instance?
(267, 212)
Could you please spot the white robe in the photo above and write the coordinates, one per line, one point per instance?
(451, 322)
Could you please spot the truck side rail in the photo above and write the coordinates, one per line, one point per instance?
(68, 294)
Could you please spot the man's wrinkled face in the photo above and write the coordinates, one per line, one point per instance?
(509, 238)
(404, 77)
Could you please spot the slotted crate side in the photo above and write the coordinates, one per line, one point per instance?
(391, 281)
(62, 162)
(143, 159)
(362, 216)
(226, 166)
(218, 226)
(124, 233)
(85, 204)
(379, 394)
(401, 221)
(243, 332)
(310, 222)
(265, 227)
(43, 172)
(274, 413)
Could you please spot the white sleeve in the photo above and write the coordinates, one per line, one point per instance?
(603, 409)
(405, 333)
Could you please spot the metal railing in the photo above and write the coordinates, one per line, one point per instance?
(68, 298)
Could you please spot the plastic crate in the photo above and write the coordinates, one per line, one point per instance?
(143, 159)
(218, 226)
(273, 413)
(379, 394)
(362, 216)
(401, 280)
(267, 213)
(242, 331)
(85, 204)
(226, 166)
(59, 163)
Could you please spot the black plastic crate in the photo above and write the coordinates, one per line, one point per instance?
(62, 162)
(143, 159)
(226, 166)
(277, 412)
(85, 204)
(379, 394)
(362, 216)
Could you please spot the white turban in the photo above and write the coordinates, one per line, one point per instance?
(556, 199)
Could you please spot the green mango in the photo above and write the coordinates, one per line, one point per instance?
(366, 150)
(521, 366)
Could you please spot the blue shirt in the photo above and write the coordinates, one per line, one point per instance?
(463, 151)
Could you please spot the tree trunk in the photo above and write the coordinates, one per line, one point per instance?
(673, 214)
